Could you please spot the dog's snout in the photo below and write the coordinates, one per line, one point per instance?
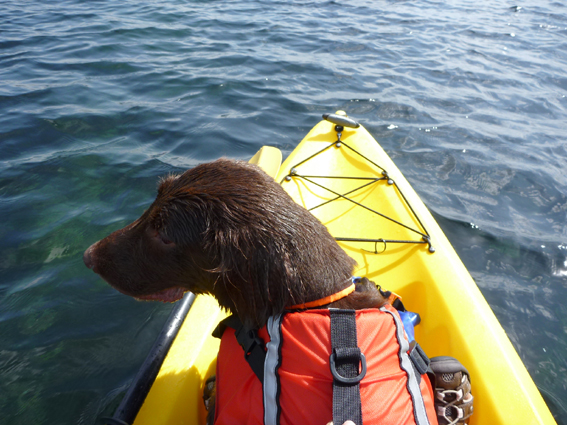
(88, 258)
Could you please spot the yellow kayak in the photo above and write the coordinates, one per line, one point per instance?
(343, 176)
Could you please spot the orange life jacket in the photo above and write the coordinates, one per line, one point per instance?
(298, 384)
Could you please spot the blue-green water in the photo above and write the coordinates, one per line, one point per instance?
(99, 98)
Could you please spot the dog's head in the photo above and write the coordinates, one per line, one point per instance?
(228, 229)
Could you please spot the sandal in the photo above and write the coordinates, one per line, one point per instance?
(453, 398)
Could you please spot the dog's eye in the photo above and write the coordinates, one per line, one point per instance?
(164, 239)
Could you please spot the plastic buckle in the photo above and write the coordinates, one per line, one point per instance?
(248, 340)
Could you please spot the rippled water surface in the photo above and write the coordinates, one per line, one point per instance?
(99, 98)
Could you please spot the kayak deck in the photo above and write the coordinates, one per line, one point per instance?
(359, 194)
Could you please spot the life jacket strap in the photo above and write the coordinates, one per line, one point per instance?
(344, 362)
(254, 347)
(419, 359)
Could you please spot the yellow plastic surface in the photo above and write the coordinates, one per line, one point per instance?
(176, 395)
(456, 320)
(269, 159)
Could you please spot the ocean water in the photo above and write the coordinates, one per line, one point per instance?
(100, 98)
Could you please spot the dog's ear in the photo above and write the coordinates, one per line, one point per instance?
(251, 279)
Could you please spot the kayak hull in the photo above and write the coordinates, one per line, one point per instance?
(402, 249)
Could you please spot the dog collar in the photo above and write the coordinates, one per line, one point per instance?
(327, 300)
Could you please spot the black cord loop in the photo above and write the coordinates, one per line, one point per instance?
(425, 238)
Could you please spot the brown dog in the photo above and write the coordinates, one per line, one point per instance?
(228, 229)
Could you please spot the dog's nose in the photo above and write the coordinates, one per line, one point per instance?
(88, 258)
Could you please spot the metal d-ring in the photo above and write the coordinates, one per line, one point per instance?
(376, 247)
(342, 379)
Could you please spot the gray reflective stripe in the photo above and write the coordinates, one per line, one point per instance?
(271, 364)
(405, 363)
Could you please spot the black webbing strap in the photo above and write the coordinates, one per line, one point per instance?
(344, 362)
(419, 358)
(251, 343)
